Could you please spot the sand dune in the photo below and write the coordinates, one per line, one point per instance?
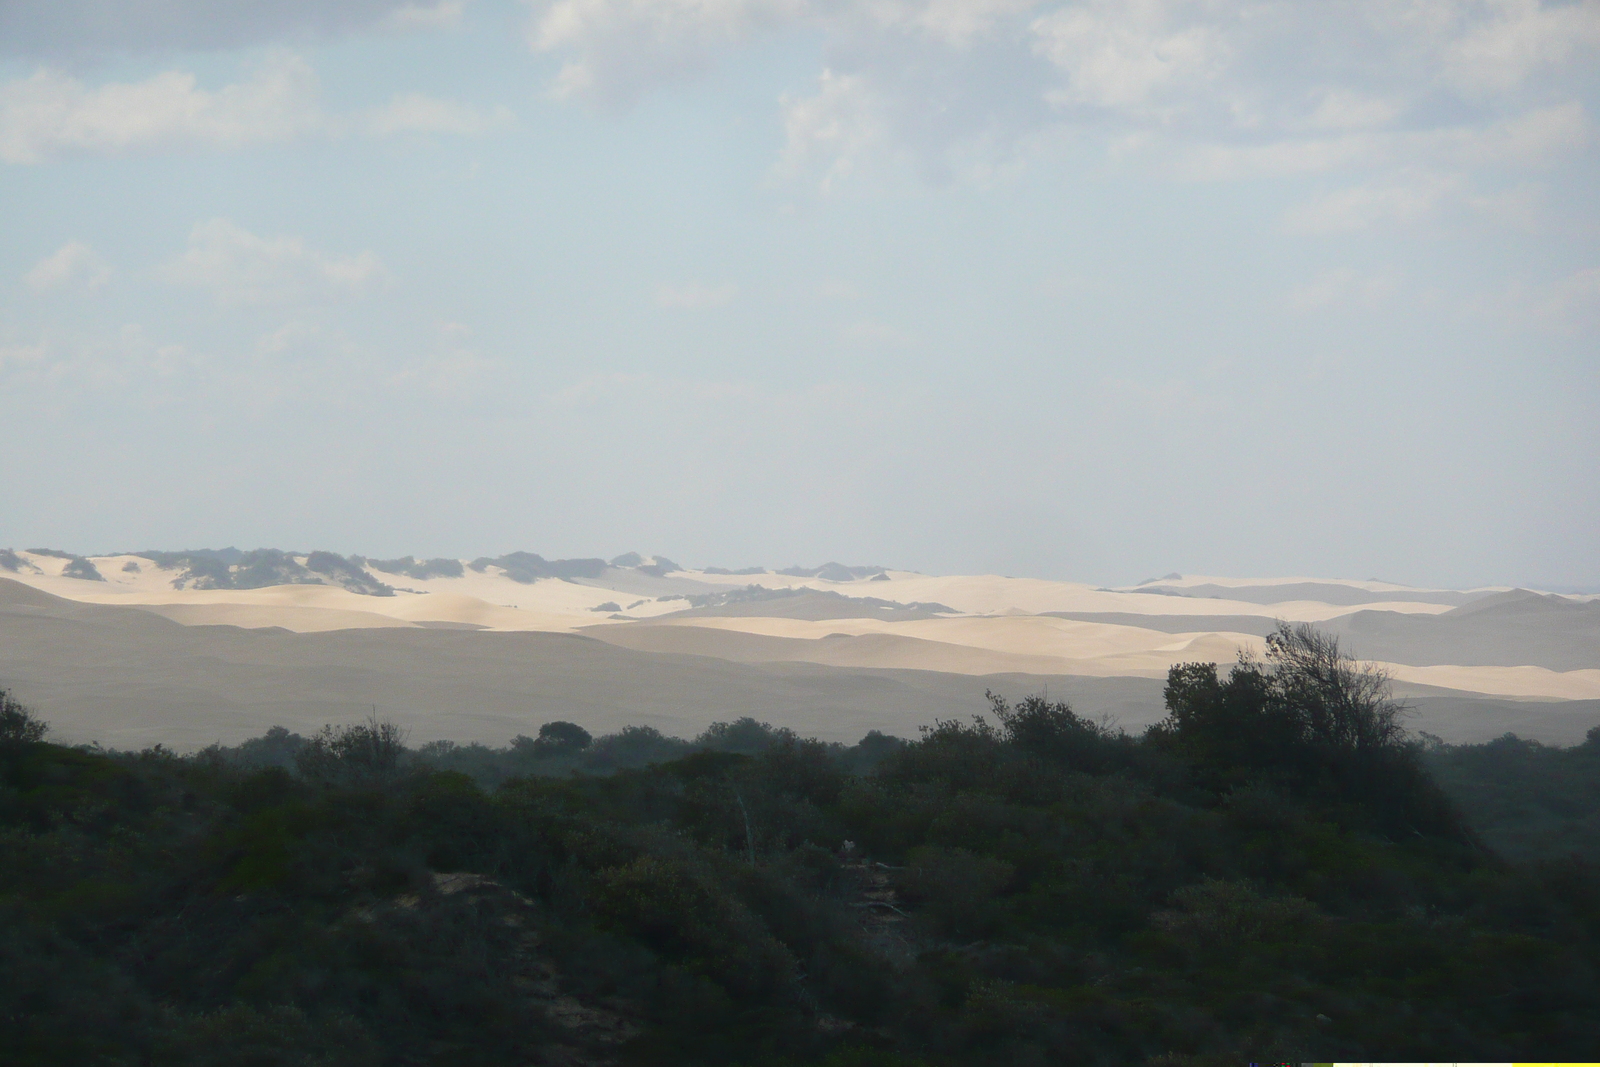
(992, 594)
(1501, 643)
(126, 677)
(1041, 638)
(1504, 681)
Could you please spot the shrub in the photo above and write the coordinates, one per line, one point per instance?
(78, 567)
(365, 753)
(1311, 721)
(18, 725)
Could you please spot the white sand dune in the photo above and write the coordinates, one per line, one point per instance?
(990, 594)
(1040, 637)
(994, 623)
(116, 672)
(1527, 682)
(296, 618)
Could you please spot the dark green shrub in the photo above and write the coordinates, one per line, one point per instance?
(18, 725)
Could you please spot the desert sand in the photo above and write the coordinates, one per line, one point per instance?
(497, 651)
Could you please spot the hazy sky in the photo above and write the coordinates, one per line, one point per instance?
(1092, 290)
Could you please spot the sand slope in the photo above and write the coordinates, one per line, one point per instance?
(1494, 643)
(128, 678)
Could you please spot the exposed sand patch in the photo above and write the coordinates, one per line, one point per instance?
(125, 676)
(305, 620)
(990, 594)
(1026, 635)
(997, 625)
(1536, 682)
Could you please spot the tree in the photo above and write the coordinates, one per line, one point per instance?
(363, 753)
(18, 725)
(563, 735)
(1311, 721)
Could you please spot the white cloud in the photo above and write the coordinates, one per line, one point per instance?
(15, 357)
(1347, 109)
(826, 135)
(238, 267)
(695, 295)
(1512, 40)
(443, 15)
(1577, 294)
(1345, 287)
(621, 47)
(50, 28)
(958, 23)
(1124, 53)
(50, 114)
(416, 113)
(1361, 207)
(1207, 88)
(1411, 196)
(73, 264)
(872, 334)
(1534, 138)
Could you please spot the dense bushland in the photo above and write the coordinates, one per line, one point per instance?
(1270, 873)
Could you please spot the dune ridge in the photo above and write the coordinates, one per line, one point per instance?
(1493, 642)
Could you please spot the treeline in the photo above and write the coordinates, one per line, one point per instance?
(560, 749)
(1271, 874)
(1526, 799)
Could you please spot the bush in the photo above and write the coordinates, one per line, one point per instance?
(1311, 721)
(366, 753)
(1028, 888)
(18, 725)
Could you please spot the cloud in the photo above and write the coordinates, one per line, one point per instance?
(1124, 55)
(1345, 287)
(871, 334)
(416, 113)
(73, 264)
(238, 267)
(695, 295)
(33, 29)
(15, 357)
(51, 114)
(1215, 89)
(619, 48)
(1362, 207)
(443, 15)
(1512, 40)
(827, 134)
(1574, 297)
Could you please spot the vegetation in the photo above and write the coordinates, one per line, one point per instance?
(1529, 801)
(79, 567)
(1270, 874)
(421, 570)
(529, 567)
(231, 569)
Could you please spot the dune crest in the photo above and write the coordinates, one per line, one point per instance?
(1505, 643)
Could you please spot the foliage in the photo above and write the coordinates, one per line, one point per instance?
(421, 570)
(1027, 887)
(1314, 723)
(18, 725)
(79, 567)
(529, 567)
(256, 569)
(1529, 801)
(370, 751)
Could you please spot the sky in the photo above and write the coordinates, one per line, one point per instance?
(1071, 289)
